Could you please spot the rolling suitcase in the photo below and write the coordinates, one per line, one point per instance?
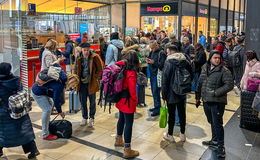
(74, 102)
(249, 119)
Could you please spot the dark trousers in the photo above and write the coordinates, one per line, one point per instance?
(214, 113)
(125, 124)
(141, 94)
(27, 148)
(156, 94)
(182, 116)
(83, 93)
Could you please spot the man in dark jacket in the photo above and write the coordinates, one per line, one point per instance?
(163, 39)
(174, 41)
(214, 83)
(68, 53)
(155, 62)
(174, 100)
(188, 49)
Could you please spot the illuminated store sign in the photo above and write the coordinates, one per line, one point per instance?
(154, 9)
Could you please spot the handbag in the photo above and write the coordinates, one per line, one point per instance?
(61, 128)
(256, 102)
(142, 79)
(163, 116)
(54, 72)
(253, 84)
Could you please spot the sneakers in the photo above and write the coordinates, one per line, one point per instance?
(119, 142)
(50, 137)
(129, 153)
(182, 137)
(221, 153)
(151, 109)
(33, 155)
(91, 122)
(83, 122)
(168, 137)
(210, 143)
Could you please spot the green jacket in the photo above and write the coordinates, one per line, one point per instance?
(214, 84)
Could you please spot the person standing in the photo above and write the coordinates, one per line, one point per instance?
(218, 45)
(68, 54)
(174, 100)
(127, 106)
(154, 65)
(103, 48)
(188, 49)
(114, 49)
(14, 132)
(202, 39)
(88, 67)
(214, 83)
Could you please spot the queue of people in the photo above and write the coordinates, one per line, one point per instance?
(175, 68)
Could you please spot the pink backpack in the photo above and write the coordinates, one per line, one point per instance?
(111, 85)
(253, 84)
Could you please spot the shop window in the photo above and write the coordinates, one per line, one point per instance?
(213, 27)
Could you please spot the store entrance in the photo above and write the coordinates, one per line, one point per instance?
(167, 23)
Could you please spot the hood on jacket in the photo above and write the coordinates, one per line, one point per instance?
(211, 55)
(9, 81)
(134, 47)
(118, 43)
(177, 56)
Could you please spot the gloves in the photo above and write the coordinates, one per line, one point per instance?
(197, 103)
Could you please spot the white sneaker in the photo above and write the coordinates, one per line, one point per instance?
(182, 137)
(91, 122)
(83, 122)
(169, 138)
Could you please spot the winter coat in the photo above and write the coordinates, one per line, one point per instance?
(13, 132)
(133, 47)
(130, 81)
(103, 50)
(188, 49)
(252, 70)
(202, 40)
(200, 59)
(68, 52)
(112, 51)
(144, 52)
(95, 67)
(173, 61)
(239, 71)
(48, 59)
(214, 84)
(159, 58)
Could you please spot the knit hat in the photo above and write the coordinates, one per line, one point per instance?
(5, 68)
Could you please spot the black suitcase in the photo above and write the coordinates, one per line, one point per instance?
(248, 119)
(60, 128)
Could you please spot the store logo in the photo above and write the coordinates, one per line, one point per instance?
(203, 11)
(165, 8)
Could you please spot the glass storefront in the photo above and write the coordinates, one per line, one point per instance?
(167, 23)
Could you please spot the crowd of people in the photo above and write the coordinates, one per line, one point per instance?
(175, 69)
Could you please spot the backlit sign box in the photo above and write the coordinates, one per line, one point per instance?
(157, 9)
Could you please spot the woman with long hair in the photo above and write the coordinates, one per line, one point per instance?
(127, 106)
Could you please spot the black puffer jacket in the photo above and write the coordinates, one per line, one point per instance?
(173, 61)
(214, 84)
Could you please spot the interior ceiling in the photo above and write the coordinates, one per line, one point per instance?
(62, 6)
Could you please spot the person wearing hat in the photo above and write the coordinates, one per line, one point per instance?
(214, 83)
(10, 129)
(88, 67)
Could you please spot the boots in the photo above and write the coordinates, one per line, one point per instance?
(129, 153)
(119, 142)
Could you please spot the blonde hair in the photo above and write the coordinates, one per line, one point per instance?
(51, 45)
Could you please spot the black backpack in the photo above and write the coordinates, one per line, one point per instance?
(234, 58)
(181, 81)
(60, 128)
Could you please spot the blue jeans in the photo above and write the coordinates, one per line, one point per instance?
(83, 94)
(125, 124)
(46, 105)
(195, 82)
(156, 94)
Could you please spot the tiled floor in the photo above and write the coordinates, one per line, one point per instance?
(97, 143)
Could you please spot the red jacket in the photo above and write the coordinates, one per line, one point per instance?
(130, 83)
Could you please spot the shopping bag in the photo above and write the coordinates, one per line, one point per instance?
(163, 116)
(256, 102)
